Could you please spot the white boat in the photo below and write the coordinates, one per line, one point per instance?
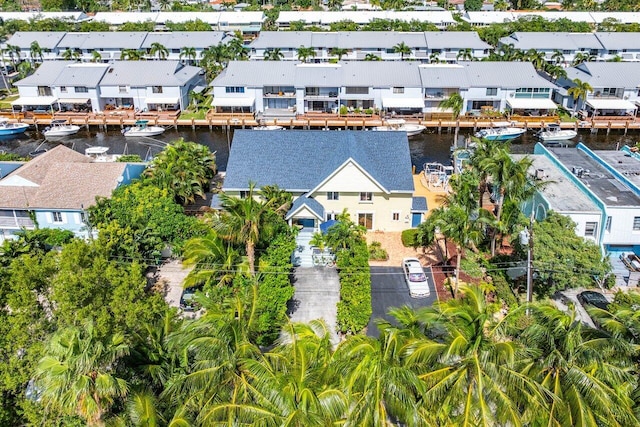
(271, 127)
(60, 128)
(553, 132)
(142, 128)
(502, 131)
(99, 154)
(400, 125)
(7, 128)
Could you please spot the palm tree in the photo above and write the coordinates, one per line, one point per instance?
(215, 261)
(339, 52)
(131, 55)
(78, 373)
(465, 55)
(96, 56)
(555, 71)
(557, 57)
(402, 49)
(305, 53)
(579, 92)
(372, 57)
(581, 57)
(468, 363)
(35, 51)
(197, 99)
(455, 102)
(244, 221)
(237, 48)
(25, 68)
(189, 53)
(14, 53)
(434, 58)
(588, 373)
(273, 55)
(158, 49)
(537, 59)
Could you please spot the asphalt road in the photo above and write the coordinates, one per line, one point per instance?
(389, 289)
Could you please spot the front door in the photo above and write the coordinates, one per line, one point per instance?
(366, 220)
(416, 219)
(307, 222)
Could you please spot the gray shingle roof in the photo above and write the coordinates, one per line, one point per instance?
(419, 204)
(257, 73)
(180, 39)
(46, 39)
(45, 75)
(81, 74)
(380, 73)
(103, 40)
(607, 74)
(619, 41)
(72, 40)
(148, 73)
(299, 160)
(444, 76)
(504, 74)
(281, 39)
(552, 40)
(312, 204)
(454, 40)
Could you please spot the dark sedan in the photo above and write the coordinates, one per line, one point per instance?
(594, 299)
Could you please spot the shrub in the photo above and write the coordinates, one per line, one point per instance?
(354, 308)
(343, 110)
(368, 111)
(130, 158)
(377, 252)
(409, 238)
(503, 290)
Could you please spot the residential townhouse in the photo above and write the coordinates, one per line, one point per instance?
(55, 189)
(324, 19)
(72, 16)
(615, 88)
(623, 45)
(111, 44)
(278, 87)
(368, 174)
(599, 190)
(445, 46)
(97, 87)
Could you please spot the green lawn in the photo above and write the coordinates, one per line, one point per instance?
(6, 101)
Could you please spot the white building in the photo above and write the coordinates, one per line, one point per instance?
(323, 19)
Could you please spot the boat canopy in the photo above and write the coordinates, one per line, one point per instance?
(532, 104)
(141, 122)
(59, 121)
(96, 150)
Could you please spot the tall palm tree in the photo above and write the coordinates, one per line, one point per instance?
(455, 102)
(188, 53)
(305, 53)
(237, 48)
(96, 56)
(434, 58)
(158, 49)
(35, 51)
(579, 92)
(589, 374)
(14, 53)
(537, 58)
(215, 261)
(581, 57)
(372, 57)
(465, 55)
(244, 221)
(78, 373)
(555, 71)
(402, 49)
(25, 68)
(468, 363)
(273, 54)
(132, 55)
(339, 52)
(558, 57)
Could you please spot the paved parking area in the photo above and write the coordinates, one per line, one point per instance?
(389, 289)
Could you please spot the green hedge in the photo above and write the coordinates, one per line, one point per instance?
(354, 308)
(409, 238)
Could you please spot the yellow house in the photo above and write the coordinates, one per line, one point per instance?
(366, 173)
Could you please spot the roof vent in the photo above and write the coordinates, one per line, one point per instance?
(540, 174)
(577, 171)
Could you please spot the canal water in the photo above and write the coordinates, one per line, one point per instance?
(430, 146)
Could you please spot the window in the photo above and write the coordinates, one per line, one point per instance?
(330, 216)
(608, 225)
(63, 89)
(333, 195)
(57, 216)
(356, 90)
(636, 223)
(366, 197)
(395, 216)
(366, 220)
(609, 91)
(244, 194)
(234, 89)
(613, 52)
(312, 91)
(44, 91)
(156, 89)
(122, 89)
(398, 90)
(492, 91)
(590, 229)
(81, 89)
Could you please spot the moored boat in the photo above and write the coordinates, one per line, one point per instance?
(7, 128)
(553, 132)
(142, 128)
(502, 131)
(99, 154)
(270, 127)
(60, 128)
(401, 126)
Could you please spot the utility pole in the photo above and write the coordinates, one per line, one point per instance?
(526, 239)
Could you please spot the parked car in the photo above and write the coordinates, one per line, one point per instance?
(187, 299)
(416, 279)
(594, 299)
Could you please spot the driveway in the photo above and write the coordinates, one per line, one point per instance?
(317, 292)
(563, 298)
(389, 289)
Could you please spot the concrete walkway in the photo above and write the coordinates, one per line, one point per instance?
(317, 292)
(172, 274)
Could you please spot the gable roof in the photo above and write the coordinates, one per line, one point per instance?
(81, 74)
(61, 178)
(45, 74)
(552, 40)
(46, 39)
(606, 74)
(298, 160)
(310, 203)
(619, 41)
(180, 39)
(148, 73)
(504, 75)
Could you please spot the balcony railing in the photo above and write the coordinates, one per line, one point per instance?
(17, 223)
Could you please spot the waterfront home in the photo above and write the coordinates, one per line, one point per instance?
(568, 44)
(615, 89)
(324, 19)
(366, 173)
(599, 190)
(175, 42)
(97, 87)
(626, 46)
(54, 190)
(285, 88)
(109, 44)
(47, 40)
(361, 45)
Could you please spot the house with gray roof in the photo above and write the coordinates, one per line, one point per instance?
(54, 190)
(47, 40)
(362, 44)
(615, 88)
(324, 19)
(623, 45)
(568, 44)
(87, 86)
(176, 41)
(281, 88)
(368, 174)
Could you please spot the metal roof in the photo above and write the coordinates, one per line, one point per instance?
(282, 39)
(180, 39)
(552, 40)
(454, 39)
(72, 40)
(46, 39)
(301, 160)
(119, 18)
(210, 18)
(619, 41)
(444, 76)
(81, 74)
(380, 73)
(257, 73)
(504, 75)
(148, 73)
(114, 40)
(607, 74)
(45, 74)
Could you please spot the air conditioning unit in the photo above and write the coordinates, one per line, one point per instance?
(577, 171)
